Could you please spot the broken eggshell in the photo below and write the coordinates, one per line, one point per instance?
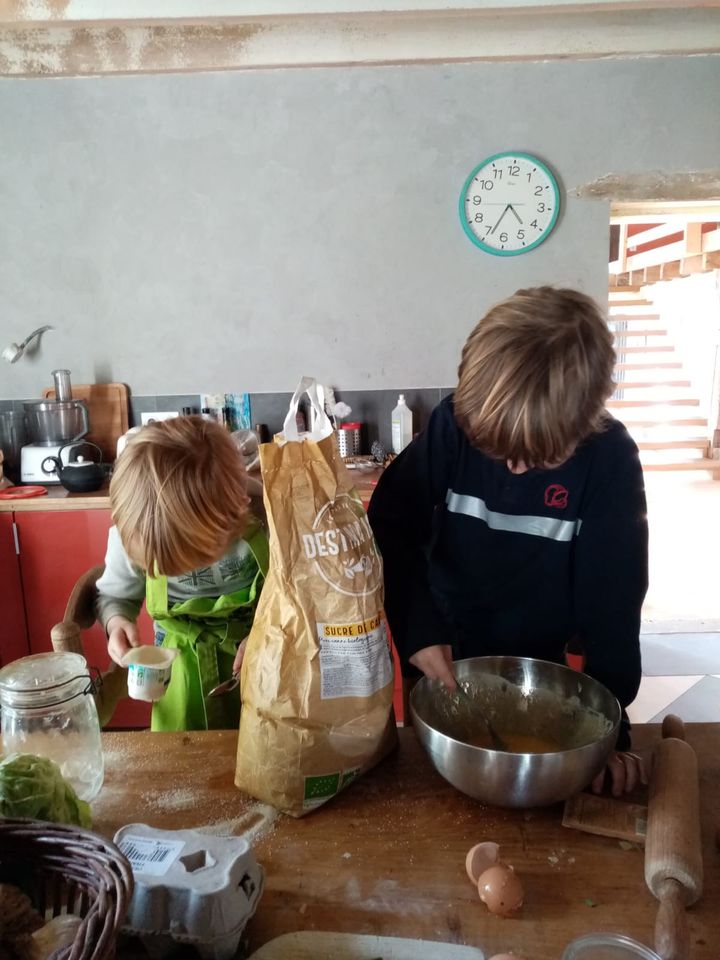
(480, 858)
(501, 890)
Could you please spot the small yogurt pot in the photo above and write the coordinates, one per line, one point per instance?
(149, 670)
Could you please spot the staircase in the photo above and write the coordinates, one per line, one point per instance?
(653, 398)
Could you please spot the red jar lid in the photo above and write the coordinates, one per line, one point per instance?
(350, 426)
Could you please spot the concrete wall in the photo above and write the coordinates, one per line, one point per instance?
(233, 231)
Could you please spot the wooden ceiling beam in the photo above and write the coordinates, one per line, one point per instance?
(91, 37)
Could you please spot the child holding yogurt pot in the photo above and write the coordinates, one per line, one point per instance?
(516, 522)
(184, 541)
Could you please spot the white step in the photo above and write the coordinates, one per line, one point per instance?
(667, 443)
(697, 443)
(644, 384)
(667, 365)
(702, 463)
(645, 332)
(629, 302)
(680, 402)
(647, 348)
(660, 422)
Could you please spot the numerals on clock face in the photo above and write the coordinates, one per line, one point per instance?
(509, 204)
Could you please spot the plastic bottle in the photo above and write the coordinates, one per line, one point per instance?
(402, 429)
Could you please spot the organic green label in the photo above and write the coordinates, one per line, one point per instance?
(320, 789)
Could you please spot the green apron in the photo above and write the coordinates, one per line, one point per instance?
(206, 631)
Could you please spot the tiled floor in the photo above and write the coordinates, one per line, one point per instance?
(681, 616)
(681, 675)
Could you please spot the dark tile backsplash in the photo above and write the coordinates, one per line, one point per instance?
(270, 409)
(373, 408)
(178, 401)
(140, 405)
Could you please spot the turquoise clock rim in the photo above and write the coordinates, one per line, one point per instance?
(463, 216)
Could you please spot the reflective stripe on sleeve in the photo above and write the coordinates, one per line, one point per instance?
(548, 527)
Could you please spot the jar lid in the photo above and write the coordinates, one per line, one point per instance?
(43, 679)
(613, 946)
(350, 426)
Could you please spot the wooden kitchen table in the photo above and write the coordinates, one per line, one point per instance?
(388, 855)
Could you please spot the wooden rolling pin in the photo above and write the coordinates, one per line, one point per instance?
(673, 851)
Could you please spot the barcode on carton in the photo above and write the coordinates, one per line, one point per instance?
(150, 857)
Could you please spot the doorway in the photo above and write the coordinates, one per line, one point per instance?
(664, 310)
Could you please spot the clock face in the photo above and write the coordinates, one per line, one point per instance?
(509, 204)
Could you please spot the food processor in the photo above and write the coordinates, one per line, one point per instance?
(52, 425)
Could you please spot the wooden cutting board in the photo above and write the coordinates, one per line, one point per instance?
(108, 411)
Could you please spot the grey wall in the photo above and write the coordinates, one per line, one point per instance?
(233, 231)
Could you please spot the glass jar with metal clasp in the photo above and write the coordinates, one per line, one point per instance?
(48, 709)
(608, 946)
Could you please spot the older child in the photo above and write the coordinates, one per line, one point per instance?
(184, 541)
(517, 520)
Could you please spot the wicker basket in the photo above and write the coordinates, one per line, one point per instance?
(69, 870)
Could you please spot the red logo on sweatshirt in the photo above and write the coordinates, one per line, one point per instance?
(556, 496)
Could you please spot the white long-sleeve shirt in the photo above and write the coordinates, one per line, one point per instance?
(121, 588)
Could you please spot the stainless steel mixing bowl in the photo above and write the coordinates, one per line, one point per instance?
(525, 697)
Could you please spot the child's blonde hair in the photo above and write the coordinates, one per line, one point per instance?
(178, 495)
(535, 375)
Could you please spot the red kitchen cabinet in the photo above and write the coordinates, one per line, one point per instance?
(57, 547)
(13, 635)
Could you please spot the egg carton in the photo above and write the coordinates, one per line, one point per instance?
(190, 888)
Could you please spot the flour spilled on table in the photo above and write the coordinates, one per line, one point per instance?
(229, 816)
(173, 800)
(255, 822)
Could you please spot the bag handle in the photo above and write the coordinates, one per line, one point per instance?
(316, 394)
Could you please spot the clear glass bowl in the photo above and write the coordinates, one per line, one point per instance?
(608, 946)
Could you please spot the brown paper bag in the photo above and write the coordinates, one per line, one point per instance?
(317, 678)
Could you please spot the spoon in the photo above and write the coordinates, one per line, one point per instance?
(497, 741)
(226, 686)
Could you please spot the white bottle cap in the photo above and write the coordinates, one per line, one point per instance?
(401, 398)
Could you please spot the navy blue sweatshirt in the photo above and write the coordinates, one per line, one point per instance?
(496, 563)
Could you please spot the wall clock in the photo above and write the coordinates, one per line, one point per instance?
(509, 204)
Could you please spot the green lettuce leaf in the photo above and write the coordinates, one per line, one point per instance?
(34, 787)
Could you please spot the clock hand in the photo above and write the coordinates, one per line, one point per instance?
(515, 212)
(507, 205)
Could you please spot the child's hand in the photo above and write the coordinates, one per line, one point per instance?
(436, 663)
(122, 635)
(626, 770)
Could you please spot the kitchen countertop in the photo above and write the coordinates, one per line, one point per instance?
(388, 855)
(58, 498)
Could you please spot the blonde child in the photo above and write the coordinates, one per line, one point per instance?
(516, 522)
(184, 541)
